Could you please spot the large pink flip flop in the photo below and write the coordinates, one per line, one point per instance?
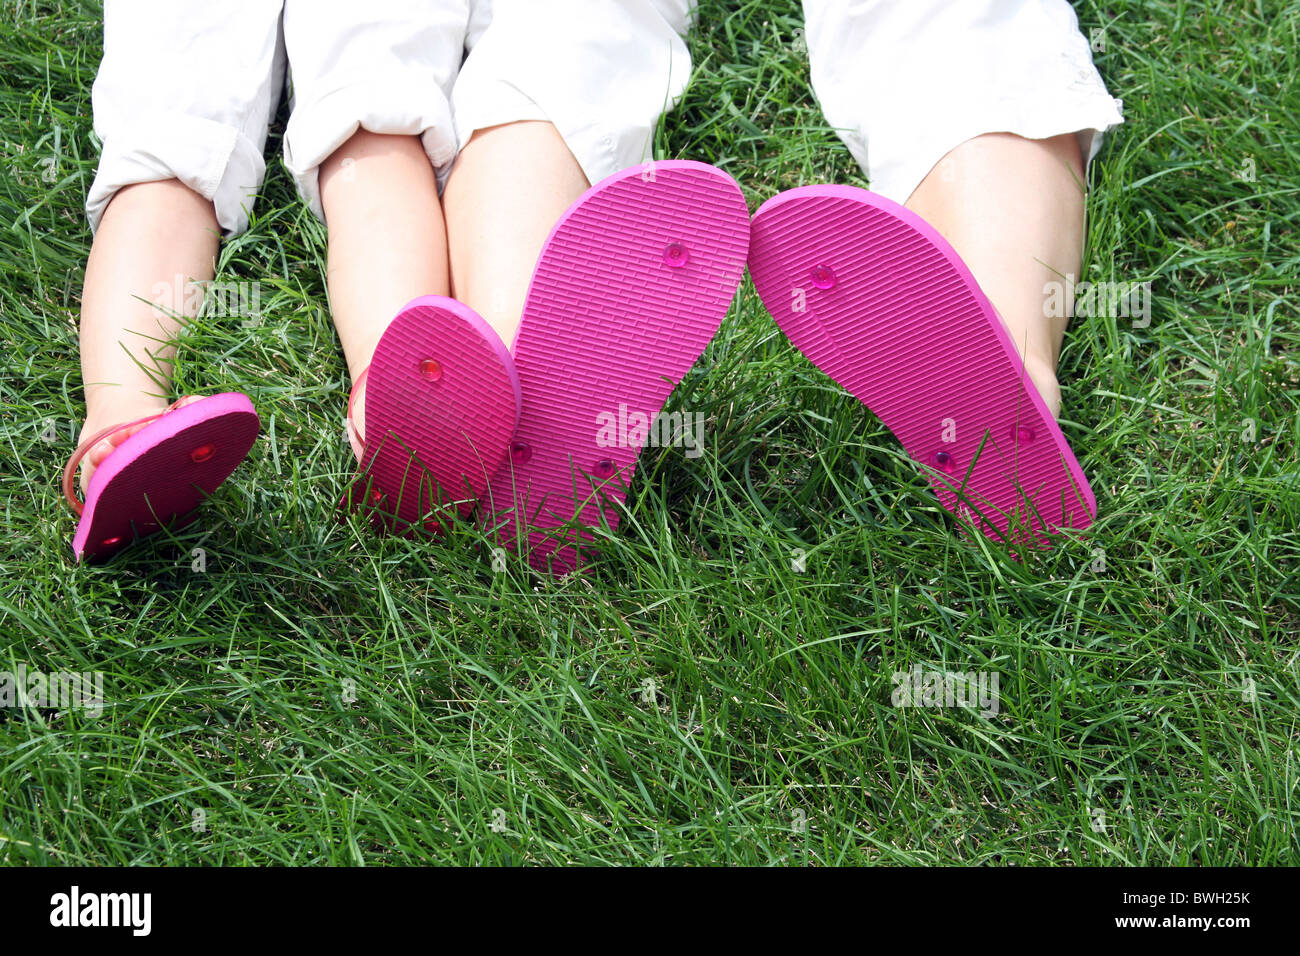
(157, 477)
(442, 399)
(631, 285)
(878, 300)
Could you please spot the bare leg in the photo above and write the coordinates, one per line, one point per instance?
(509, 187)
(1013, 210)
(387, 242)
(154, 240)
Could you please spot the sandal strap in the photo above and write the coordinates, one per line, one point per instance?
(355, 438)
(70, 469)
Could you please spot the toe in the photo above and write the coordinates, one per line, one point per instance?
(101, 450)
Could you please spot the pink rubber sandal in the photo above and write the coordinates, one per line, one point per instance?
(157, 477)
(631, 286)
(442, 400)
(878, 300)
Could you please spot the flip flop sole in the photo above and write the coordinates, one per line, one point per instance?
(878, 300)
(630, 287)
(442, 399)
(157, 477)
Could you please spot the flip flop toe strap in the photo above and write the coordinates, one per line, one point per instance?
(70, 495)
(355, 438)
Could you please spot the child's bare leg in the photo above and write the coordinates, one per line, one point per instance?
(509, 187)
(1013, 210)
(387, 243)
(153, 241)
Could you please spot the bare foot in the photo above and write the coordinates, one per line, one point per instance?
(1044, 378)
(99, 453)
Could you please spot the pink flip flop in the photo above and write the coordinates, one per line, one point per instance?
(442, 400)
(878, 300)
(631, 286)
(157, 477)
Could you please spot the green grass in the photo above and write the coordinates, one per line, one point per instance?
(696, 699)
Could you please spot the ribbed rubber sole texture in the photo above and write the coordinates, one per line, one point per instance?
(157, 477)
(878, 300)
(630, 287)
(442, 399)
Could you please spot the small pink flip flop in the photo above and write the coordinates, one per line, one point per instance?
(631, 286)
(442, 400)
(157, 477)
(878, 300)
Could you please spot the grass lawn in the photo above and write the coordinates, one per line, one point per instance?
(719, 689)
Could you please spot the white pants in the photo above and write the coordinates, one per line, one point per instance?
(187, 88)
(905, 81)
